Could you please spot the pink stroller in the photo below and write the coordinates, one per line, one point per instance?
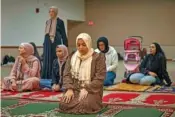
(132, 49)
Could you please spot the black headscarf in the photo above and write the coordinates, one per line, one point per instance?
(36, 54)
(105, 41)
(159, 52)
(159, 49)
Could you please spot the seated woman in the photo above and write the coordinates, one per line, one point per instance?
(25, 73)
(111, 59)
(55, 82)
(83, 79)
(58, 67)
(153, 68)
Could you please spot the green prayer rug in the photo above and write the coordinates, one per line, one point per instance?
(33, 108)
(140, 112)
(6, 102)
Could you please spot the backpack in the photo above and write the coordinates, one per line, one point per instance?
(5, 60)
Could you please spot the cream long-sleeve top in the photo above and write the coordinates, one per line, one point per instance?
(111, 59)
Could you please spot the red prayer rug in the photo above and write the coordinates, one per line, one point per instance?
(35, 95)
(150, 99)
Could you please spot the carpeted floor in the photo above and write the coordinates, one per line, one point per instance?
(35, 95)
(158, 102)
(110, 97)
(140, 88)
(119, 104)
(31, 108)
(136, 98)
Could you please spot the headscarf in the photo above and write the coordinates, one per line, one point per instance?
(159, 52)
(65, 53)
(87, 39)
(36, 54)
(105, 41)
(51, 24)
(81, 64)
(29, 57)
(158, 49)
(29, 54)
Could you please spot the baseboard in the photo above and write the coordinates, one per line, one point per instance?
(169, 59)
(10, 47)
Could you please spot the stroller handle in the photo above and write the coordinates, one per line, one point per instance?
(141, 38)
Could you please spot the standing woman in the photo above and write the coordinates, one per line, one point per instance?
(54, 35)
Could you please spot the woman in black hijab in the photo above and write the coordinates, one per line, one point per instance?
(36, 54)
(104, 46)
(111, 59)
(153, 68)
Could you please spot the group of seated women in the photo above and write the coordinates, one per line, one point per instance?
(83, 73)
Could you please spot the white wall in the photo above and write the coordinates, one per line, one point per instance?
(20, 23)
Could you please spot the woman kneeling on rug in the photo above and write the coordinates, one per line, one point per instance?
(153, 68)
(83, 79)
(25, 73)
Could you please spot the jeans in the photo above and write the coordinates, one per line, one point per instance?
(139, 78)
(109, 80)
(45, 83)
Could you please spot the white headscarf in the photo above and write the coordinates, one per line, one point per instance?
(81, 64)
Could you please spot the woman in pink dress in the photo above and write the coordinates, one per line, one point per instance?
(25, 74)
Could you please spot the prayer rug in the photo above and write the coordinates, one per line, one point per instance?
(33, 108)
(122, 110)
(163, 89)
(35, 95)
(127, 87)
(150, 99)
(138, 98)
